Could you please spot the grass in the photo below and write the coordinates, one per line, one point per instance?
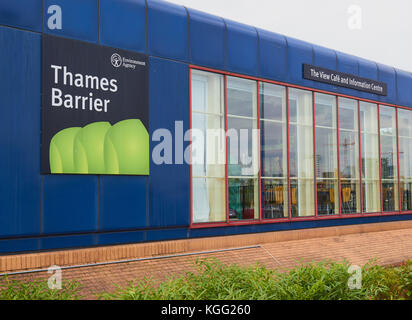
(214, 281)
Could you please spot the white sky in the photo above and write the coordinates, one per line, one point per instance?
(385, 35)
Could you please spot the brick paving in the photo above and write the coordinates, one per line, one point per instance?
(387, 247)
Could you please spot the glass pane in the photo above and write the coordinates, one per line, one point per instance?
(243, 199)
(241, 97)
(390, 196)
(273, 149)
(406, 195)
(209, 200)
(272, 102)
(325, 110)
(371, 196)
(348, 114)
(389, 159)
(350, 197)
(207, 92)
(370, 157)
(405, 158)
(405, 123)
(242, 147)
(328, 197)
(275, 198)
(301, 153)
(326, 153)
(301, 135)
(349, 154)
(208, 149)
(302, 197)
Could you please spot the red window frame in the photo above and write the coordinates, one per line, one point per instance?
(287, 86)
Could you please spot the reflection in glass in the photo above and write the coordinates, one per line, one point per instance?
(349, 156)
(274, 171)
(243, 157)
(274, 198)
(405, 157)
(370, 157)
(243, 199)
(301, 153)
(326, 154)
(389, 159)
(208, 184)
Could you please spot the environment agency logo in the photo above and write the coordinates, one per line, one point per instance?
(116, 60)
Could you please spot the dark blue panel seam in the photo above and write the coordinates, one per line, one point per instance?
(188, 36)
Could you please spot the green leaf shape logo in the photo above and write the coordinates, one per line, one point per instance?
(61, 151)
(99, 148)
(126, 148)
(89, 148)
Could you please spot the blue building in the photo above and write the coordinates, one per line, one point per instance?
(328, 154)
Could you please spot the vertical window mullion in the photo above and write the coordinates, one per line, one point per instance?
(380, 156)
(227, 150)
(314, 154)
(397, 154)
(259, 153)
(288, 152)
(338, 149)
(360, 158)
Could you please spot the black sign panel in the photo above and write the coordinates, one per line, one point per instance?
(95, 117)
(344, 80)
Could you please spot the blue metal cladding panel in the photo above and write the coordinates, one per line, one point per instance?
(116, 238)
(122, 202)
(369, 70)
(25, 14)
(166, 234)
(167, 30)
(169, 185)
(69, 204)
(299, 52)
(19, 245)
(20, 101)
(387, 74)
(347, 64)
(65, 242)
(79, 19)
(242, 48)
(123, 24)
(272, 56)
(207, 40)
(404, 81)
(325, 58)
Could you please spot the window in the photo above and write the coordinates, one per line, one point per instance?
(349, 156)
(370, 157)
(274, 152)
(243, 166)
(208, 169)
(389, 159)
(302, 196)
(405, 157)
(326, 154)
(263, 151)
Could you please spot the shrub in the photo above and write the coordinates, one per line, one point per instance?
(37, 290)
(321, 281)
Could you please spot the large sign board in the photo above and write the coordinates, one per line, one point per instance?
(95, 117)
(344, 80)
